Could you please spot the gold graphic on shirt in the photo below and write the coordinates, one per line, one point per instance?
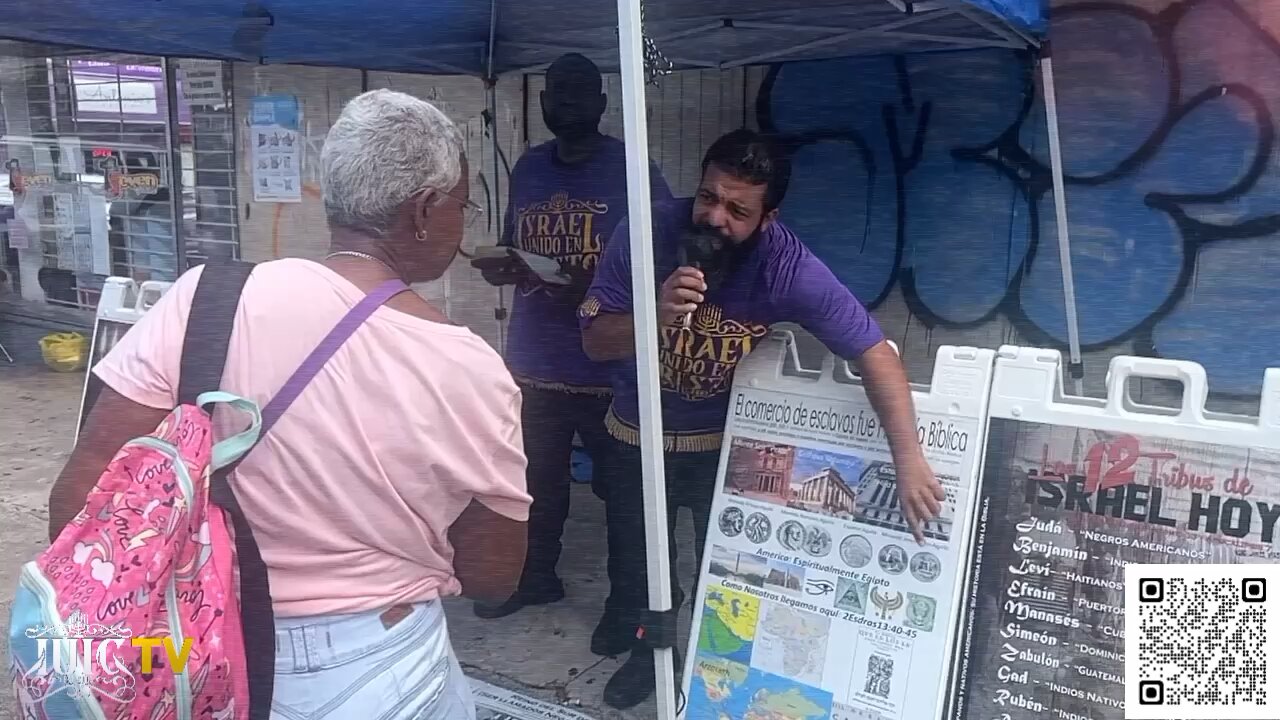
(589, 307)
(563, 228)
(698, 361)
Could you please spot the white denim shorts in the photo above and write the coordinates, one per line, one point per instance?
(340, 667)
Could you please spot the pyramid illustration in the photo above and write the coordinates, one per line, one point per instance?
(852, 601)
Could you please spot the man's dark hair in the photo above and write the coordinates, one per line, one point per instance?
(755, 158)
(577, 71)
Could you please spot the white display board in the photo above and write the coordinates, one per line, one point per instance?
(814, 600)
(1073, 489)
(121, 305)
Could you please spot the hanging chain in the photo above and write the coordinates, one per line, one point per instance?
(656, 64)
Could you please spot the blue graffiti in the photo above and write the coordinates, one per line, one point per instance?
(930, 172)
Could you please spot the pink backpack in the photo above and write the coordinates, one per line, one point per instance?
(162, 550)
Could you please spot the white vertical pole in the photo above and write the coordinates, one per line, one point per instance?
(1060, 207)
(491, 101)
(645, 314)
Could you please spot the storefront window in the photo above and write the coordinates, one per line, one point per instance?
(94, 185)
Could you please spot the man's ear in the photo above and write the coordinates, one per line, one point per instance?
(768, 219)
(602, 102)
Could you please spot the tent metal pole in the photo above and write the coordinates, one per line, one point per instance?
(1076, 369)
(645, 316)
(491, 99)
(491, 83)
(177, 205)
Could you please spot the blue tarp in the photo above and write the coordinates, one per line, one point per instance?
(452, 36)
(1031, 15)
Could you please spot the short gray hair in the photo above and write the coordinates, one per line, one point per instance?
(384, 147)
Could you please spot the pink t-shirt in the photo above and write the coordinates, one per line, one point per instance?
(352, 492)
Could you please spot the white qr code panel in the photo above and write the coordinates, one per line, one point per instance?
(1201, 641)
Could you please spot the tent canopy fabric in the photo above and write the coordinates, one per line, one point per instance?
(452, 36)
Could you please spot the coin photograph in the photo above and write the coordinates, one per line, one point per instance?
(855, 551)
(731, 521)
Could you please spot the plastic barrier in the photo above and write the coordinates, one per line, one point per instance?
(122, 303)
(813, 597)
(1072, 490)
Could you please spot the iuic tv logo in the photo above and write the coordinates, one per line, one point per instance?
(91, 659)
(177, 657)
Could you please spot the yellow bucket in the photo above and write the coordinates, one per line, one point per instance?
(65, 352)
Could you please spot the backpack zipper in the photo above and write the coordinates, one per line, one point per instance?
(181, 680)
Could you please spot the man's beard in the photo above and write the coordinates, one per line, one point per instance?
(569, 129)
(714, 253)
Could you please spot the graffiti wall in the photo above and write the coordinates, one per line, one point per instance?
(924, 181)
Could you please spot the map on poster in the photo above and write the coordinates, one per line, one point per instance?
(1063, 509)
(816, 602)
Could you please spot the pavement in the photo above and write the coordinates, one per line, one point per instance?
(541, 652)
(38, 411)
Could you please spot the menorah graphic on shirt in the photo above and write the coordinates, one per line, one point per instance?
(589, 307)
(709, 320)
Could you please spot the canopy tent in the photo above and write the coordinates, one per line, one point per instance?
(487, 38)
(454, 36)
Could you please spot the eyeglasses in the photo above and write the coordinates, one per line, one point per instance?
(471, 211)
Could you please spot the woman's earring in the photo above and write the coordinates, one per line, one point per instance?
(422, 236)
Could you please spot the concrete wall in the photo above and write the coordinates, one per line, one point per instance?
(923, 180)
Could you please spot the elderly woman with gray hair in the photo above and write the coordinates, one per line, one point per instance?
(397, 476)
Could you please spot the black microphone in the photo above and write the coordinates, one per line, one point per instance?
(703, 249)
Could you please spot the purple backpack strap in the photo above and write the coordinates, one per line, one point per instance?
(301, 377)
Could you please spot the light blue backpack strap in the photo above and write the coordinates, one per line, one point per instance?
(230, 450)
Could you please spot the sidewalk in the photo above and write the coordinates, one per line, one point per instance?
(541, 652)
(37, 419)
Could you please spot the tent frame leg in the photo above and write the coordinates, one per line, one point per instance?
(491, 103)
(645, 316)
(1076, 368)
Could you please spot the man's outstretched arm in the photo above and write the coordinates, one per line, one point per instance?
(887, 388)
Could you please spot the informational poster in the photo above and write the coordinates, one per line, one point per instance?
(1063, 509)
(814, 599)
(64, 229)
(276, 149)
(18, 237)
(495, 703)
(99, 233)
(1064, 506)
(202, 82)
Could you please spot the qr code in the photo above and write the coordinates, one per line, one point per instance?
(1198, 639)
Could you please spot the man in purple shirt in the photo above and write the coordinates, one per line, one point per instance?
(567, 195)
(727, 269)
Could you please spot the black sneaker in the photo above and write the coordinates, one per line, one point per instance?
(612, 635)
(634, 682)
(549, 594)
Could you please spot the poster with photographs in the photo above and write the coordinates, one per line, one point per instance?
(815, 600)
(1062, 510)
(275, 149)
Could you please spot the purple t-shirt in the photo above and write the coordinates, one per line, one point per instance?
(568, 213)
(779, 280)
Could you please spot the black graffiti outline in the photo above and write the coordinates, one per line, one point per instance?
(1032, 178)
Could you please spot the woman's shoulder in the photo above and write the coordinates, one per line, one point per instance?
(441, 349)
